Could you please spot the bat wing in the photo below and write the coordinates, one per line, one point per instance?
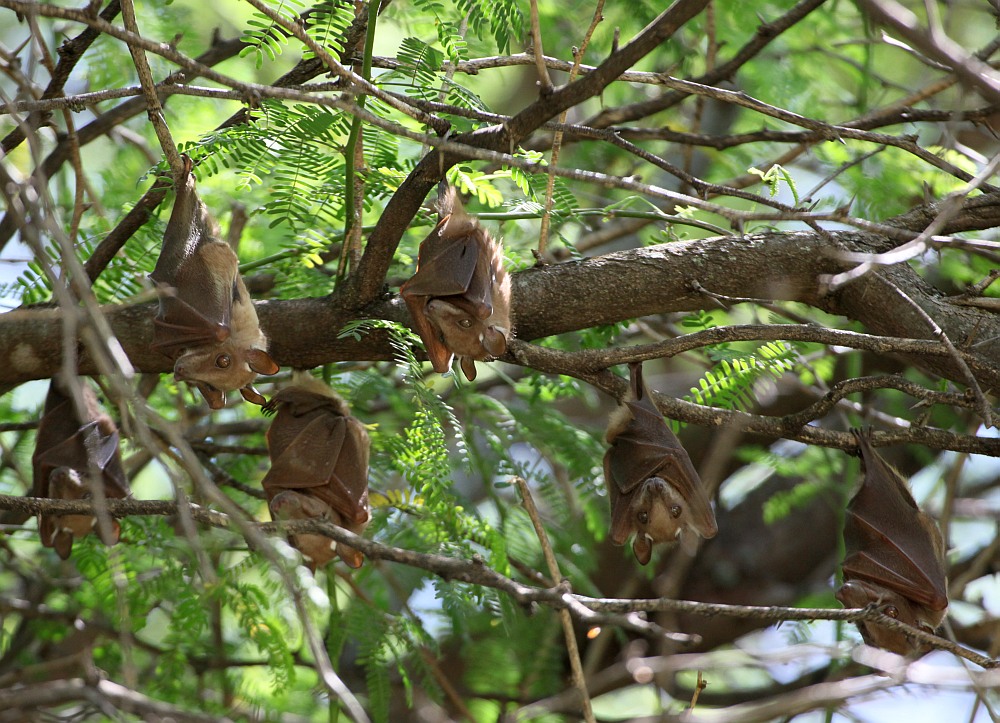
(180, 326)
(308, 460)
(621, 512)
(639, 449)
(347, 491)
(193, 313)
(900, 559)
(445, 265)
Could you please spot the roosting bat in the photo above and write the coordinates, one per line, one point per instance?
(67, 451)
(654, 489)
(895, 555)
(319, 467)
(206, 323)
(459, 297)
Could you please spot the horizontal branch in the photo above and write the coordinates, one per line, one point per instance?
(559, 298)
(587, 610)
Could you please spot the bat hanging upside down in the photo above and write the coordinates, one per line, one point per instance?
(459, 297)
(654, 489)
(206, 322)
(319, 467)
(895, 555)
(70, 456)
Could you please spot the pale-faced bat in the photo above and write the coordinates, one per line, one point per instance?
(319, 467)
(206, 322)
(895, 555)
(459, 297)
(654, 489)
(68, 451)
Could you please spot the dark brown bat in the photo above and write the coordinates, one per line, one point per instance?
(319, 467)
(206, 322)
(895, 555)
(68, 451)
(459, 297)
(654, 489)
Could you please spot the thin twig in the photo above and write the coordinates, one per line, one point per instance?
(153, 108)
(579, 681)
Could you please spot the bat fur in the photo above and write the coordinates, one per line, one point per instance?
(71, 455)
(459, 297)
(319, 467)
(206, 321)
(654, 489)
(895, 555)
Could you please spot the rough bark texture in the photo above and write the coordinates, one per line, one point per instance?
(558, 298)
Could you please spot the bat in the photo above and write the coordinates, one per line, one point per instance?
(206, 321)
(895, 555)
(654, 489)
(459, 297)
(68, 450)
(319, 467)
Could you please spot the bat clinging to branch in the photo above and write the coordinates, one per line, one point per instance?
(459, 297)
(895, 555)
(319, 467)
(654, 489)
(206, 323)
(71, 455)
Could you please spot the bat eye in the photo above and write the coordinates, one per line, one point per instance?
(223, 361)
(892, 611)
(675, 511)
(643, 517)
(465, 323)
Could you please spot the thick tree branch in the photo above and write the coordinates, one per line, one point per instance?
(560, 298)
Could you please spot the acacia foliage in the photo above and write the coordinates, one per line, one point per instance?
(857, 133)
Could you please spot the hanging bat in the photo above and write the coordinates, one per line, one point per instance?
(206, 322)
(68, 451)
(654, 489)
(895, 555)
(459, 297)
(319, 467)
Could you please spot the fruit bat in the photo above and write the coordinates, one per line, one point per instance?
(319, 467)
(68, 451)
(654, 489)
(459, 297)
(206, 322)
(895, 555)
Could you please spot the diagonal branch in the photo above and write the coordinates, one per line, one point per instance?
(366, 284)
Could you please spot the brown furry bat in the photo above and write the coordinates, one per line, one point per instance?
(206, 323)
(67, 451)
(459, 297)
(895, 555)
(655, 491)
(319, 467)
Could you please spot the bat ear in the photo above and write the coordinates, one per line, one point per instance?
(253, 396)
(468, 368)
(113, 535)
(261, 362)
(351, 557)
(642, 548)
(494, 342)
(62, 542)
(439, 355)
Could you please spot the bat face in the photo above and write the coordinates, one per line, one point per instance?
(206, 322)
(319, 468)
(654, 489)
(459, 297)
(895, 554)
(67, 452)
